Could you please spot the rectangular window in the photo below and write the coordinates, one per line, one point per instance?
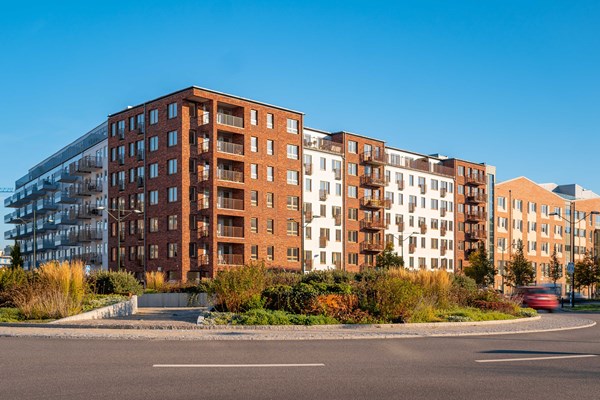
(172, 139)
(292, 177)
(292, 254)
(292, 152)
(253, 117)
(172, 250)
(270, 121)
(153, 170)
(172, 166)
(172, 194)
(153, 117)
(254, 225)
(153, 145)
(253, 198)
(270, 174)
(270, 199)
(153, 197)
(352, 147)
(292, 125)
(293, 202)
(172, 223)
(352, 191)
(254, 252)
(292, 228)
(270, 253)
(253, 144)
(352, 169)
(153, 251)
(254, 171)
(270, 147)
(270, 226)
(172, 110)
(153, 224)
(353, 214)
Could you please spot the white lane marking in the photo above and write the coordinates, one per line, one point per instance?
(536, 358)
(234, 365)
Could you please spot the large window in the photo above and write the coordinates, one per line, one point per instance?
(270, 121)
(292, 125)
(292, 152)
(172, 222)
(153, 117)
(172, 192)
(153, 197)
(292, 253)
(292, 177)
(153, 145)
(153, 170)
(172, 138)
(172, 166)
(172, 110)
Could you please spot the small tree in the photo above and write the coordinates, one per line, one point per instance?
(388, 258)
(480, 268)
(520, 270)
(585, 273)
(555, 269)
(16, 259)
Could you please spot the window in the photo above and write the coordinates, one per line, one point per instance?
(172, 139)
(153, 117)
(323, 164)
(544, 210)
(352, 191)
(293, 202)
(270, 147)
(253, 144)
(253, 198)
(353, 236)
(270, 253)
(270, 173)
(292, 177)
(292, 228)
(153, 224)
(153, 197)
(352, 147)
(113, 129)
(131, 123)
(172, 110)
(502, 203)
(352, 169)
(270, 121)
(153, 251)
(270, 226)
(292, 125)
(292, 152)
(292, 254)
(254, 252)
(254, 171)
(153, 145)
(253, 117)
(172, 250)
(172, 194)
(172, 223)
(353, 214)
(172, 166)
(153, 170)
(270, 199)
(308, 184)
(461, 171)
(254, 225)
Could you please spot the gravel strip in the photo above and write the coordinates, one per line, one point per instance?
(181, 330)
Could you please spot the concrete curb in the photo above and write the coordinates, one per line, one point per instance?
(122, 309)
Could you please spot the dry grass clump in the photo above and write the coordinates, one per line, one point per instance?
(155, 281)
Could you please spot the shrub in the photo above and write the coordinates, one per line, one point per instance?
(114, 282)
(463, 290)
(278, 277)
(338, 306)
(11, 280)
(239, 289)
(155, 281)
(390, 298)
(56, 292)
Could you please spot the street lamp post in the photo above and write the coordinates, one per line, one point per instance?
(304, 224)
(572, 223)
(119, 218)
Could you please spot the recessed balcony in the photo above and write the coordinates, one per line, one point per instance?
(475, 179)
(230, 231)
(230, 120)
(230, 148)
(230, 203)
(373, 157)
(230, 259)
(371, 180)
(373, 223)
(374, 202)
(230, 175)
(376, 247)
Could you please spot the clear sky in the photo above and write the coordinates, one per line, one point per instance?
(515, 84)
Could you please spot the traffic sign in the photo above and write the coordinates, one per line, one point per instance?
(570, 267)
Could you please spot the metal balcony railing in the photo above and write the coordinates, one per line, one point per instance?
(231, 120)
(230, 148)
(231, 176)
(230, 231)
(230, 204)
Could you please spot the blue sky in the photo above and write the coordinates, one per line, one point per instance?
(515, 84)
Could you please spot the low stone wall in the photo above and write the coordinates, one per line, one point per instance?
(157, 300)
(122, 309)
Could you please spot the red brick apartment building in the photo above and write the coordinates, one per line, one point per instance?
(218, 179)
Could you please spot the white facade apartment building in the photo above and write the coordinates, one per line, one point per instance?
(56, 205)
(420, 221)
(323, 201)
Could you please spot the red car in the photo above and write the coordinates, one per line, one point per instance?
(538, 298)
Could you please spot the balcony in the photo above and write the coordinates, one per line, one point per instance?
(230, 259)
(370, 180)
(442, 212)
(90, 258)
(86, 165)
(203, 232)
(307, 169)
(308, 265)
(323, 241)
(423, 188)
(323, 144)
(230, 204)
(66, 218)
(373, 223)
(230, 176)
(66, 240)
(323, 195)
(308, 215)
(443, 250)
(87, 213)
(400, 226)
(204, 260)
(443, 192)
(230, 231)
(45, 244)
(65, 176)
(423, 228)
(230, 120)
(475, 179)
(443, 230)
(373, 157)
(400, 184)
(89, 235)
(202, 118)
(338, 219)
(475, 216)
(411, 248)
(44, 206)
(476, 198)
(11, 234)
(64, 197)
(475, 236)
(43, 226)
(338, 173)
(373, 202)
(372, 246)
(46, 186)
(230, 148)
(411, 207)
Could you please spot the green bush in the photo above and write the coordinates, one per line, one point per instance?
(239, 289)
(11, 280)
(113, 282)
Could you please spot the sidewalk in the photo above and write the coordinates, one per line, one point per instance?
(179, 324)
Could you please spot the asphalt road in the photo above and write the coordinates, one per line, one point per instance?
(424, 368)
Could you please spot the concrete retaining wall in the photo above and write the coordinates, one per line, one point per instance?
(173, 300)
(122, 309)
